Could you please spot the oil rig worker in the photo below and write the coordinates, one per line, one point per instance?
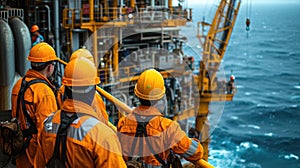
(161, 135)
(36, 37)
(97, 104)
(86, 142)
(39, 99)
(230, 85)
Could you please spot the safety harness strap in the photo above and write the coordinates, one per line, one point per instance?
(27, 133)
(61, 137)
(141, 132)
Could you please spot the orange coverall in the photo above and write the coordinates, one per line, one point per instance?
(164, 134)
(90, 143)
(97, 104)
(40, 102)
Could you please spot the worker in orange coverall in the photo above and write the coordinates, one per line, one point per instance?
(88, 142)
(163, 135)
(97, 104)
(39, 98)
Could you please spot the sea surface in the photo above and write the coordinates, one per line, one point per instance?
(260, 128)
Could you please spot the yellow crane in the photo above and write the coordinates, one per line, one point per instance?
(214, 45)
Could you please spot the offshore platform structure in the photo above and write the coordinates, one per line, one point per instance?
(125, 38)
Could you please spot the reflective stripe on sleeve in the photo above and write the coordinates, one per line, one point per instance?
(192, 149)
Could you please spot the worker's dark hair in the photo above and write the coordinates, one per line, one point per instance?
(148, 102)
(38, 66)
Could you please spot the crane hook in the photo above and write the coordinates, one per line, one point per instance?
(247, 24)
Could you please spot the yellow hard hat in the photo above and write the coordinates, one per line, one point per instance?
(34, 28)
(80, 72)
(82, 52)
(42, 52)
(150, 85)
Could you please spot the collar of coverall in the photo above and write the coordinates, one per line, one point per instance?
(147, 111)
(74, 106)
(35, 74)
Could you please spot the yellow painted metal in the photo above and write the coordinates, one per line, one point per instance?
(91, 2)
(116, 55)
(71, 39)
(110, 125)
(203, 164)
(199, 164)
(65, 19)
(185, 114)
(123, 108)
(213, 53)
(203, 127)
(173, 22)
(132, 4)
(95, 45)
(170, 5)
(106, 12)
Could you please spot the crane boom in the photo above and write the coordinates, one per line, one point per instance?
(214, 45)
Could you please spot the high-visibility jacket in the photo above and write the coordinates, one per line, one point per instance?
(40, 102)
(97, 104)
(90, 143)
(35, 39)
(163, 135)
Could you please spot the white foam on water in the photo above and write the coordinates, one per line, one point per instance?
(291, 156)
(239, 86)
(270, 134)
(249, 126)
(234, 117)
(247, 145)
(262, 105)
(297, 87)
(254, 126)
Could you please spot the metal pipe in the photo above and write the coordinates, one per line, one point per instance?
(116, 56)
(36, 13)
(7, 54)
(22, 44)
(49, 20)
(152, 3)
(132, 4)
(91, 2)
(170, 4)
(56, 27)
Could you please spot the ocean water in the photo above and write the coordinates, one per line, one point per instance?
(260, 128)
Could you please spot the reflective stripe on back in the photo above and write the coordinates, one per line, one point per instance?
(75, 133)
(80, 133)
